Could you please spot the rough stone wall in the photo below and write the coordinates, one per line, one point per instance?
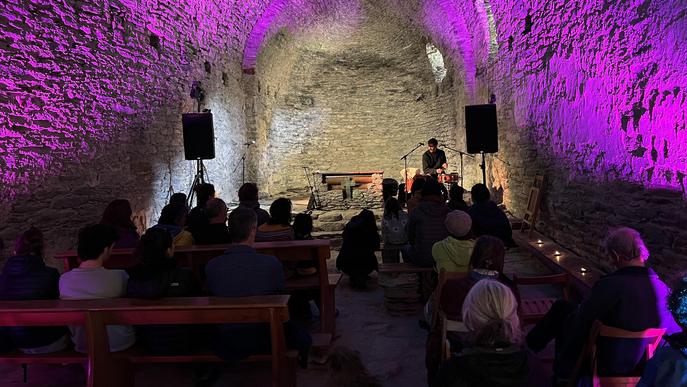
(592, 95)
(358, 98)
(91, 96)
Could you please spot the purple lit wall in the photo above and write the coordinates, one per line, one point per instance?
(590, 94)
(91, 95)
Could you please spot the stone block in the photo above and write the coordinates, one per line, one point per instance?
(331, 226)
(330, 217)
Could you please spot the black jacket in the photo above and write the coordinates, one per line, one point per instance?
(433, 161)
(27, 278)
(152, 282)
(357, 255)
(488, 367)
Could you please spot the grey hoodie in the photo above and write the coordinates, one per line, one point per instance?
(425, 228)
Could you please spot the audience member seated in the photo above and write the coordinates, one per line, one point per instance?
(346, 369)
(179, 198)
(453, 253)
(415, 193)
(455, 198)
(668, 367)
(92, 281)
(394, 231)
(487, 217)
(494, 355)
(240, 272)
(248, 198)
(26, 277)
(173, 219)
(216, 231)
(632, 298)
(197, 219)
(486, 262)
(426, 225)
(357, 257)
(278, 228)
(118, 215)
(158, 276)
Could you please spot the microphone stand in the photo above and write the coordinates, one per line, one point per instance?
(405, 165)
(461, 160)
(243, 163)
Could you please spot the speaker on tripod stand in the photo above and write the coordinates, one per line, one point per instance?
(481, 132)
(199, 144)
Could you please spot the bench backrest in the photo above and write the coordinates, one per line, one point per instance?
(95, 315)
(200, 254)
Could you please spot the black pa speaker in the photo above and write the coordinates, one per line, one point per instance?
(481, 131)
(199, 136)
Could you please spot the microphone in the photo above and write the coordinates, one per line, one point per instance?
(421, 143)
(249, 143)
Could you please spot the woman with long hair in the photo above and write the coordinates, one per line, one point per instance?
(118, 215)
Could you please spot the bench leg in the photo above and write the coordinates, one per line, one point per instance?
(328, 313)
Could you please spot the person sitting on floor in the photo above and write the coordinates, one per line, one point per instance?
(632, 298)
(118, 215)
(26, 277)
(456, 201)
(92, 281)
(240, 272)
(216, 231)
(197, 219)
(426, 225)
(173, 219)
(453, 253)
(158, 276)
(357, 256)
(248, 198)
(278, 228)
(668, 367)
(494, 355)
(487, 217)
(394, 231)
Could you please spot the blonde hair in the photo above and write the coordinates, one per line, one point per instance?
(490, 311)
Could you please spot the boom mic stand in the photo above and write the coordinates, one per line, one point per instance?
(405, 165)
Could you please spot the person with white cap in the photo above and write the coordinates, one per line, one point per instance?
(453, 252)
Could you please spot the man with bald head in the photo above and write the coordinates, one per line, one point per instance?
(631, 298)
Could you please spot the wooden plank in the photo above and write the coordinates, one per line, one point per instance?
(403, 268)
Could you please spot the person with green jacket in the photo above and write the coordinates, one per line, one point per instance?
(453, 252)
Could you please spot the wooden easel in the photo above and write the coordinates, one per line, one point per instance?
(533, 202)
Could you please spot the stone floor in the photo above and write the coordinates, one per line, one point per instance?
(391, 347)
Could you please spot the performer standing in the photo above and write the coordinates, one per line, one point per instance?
(434, 159)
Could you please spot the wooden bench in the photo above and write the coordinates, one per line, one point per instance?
(196, 257)
(404, 267)
(580, 273)
(107, 369)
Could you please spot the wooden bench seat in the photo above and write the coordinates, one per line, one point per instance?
(62, 357)
(311, 282)
(196, 257)
(403, 268)
(106, 369)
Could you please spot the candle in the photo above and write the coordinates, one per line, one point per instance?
(539, 242)
(557, 253)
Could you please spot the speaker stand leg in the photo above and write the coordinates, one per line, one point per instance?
(484, 170)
